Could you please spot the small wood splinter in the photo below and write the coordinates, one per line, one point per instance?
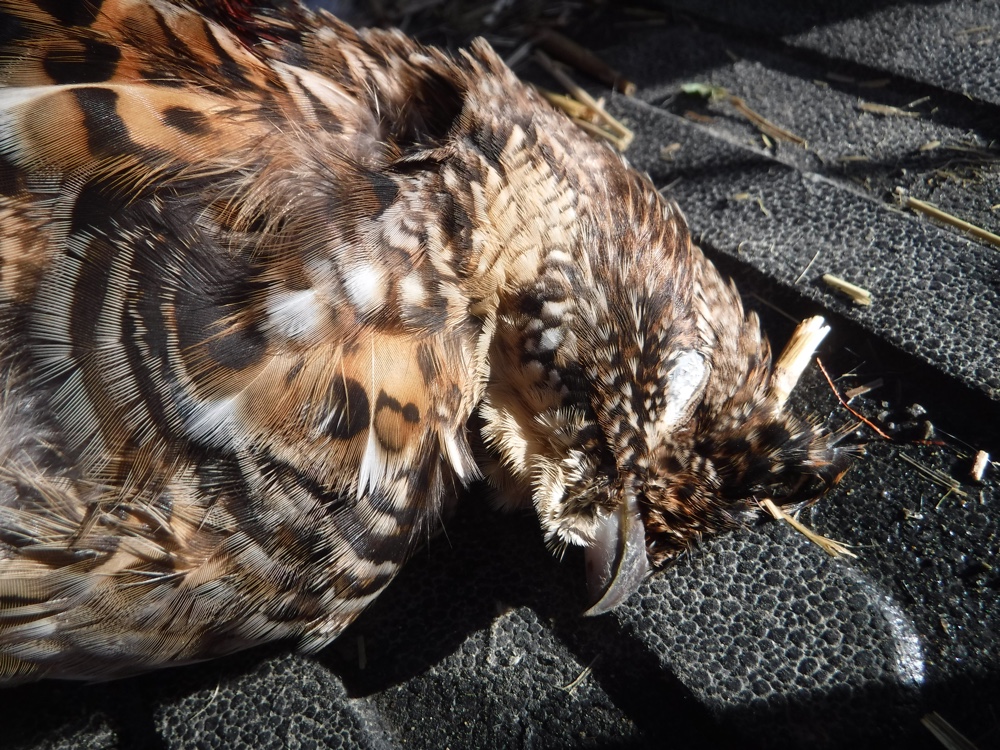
(860, 390)
(979, 465)
(858, 294)
(796, 355)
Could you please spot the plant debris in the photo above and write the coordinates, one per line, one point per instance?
(667, 152)
(595, 120)
(860, 295)
(952, 220)
(885, 110)
(944, 732)
(565, 49)
(881, 433)
(938, 477)
(765, 126)
(860, 390)
(831, 546)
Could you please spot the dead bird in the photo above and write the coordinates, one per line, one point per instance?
(260, 269)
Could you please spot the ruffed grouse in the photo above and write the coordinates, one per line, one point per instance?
(259, 270)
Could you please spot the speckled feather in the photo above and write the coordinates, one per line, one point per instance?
(259, 270)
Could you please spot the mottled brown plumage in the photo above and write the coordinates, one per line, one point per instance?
(258, 271)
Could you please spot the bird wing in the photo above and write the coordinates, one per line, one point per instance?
(237, 373)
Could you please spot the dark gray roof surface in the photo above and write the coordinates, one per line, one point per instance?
(758, 639)
(947, 45)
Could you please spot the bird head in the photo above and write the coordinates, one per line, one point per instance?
(635, 402)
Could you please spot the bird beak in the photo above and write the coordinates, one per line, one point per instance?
(617, 561)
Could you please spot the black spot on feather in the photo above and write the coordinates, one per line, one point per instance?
(95, 63)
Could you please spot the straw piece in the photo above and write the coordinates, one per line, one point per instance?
(945, 733)
(938, 477)
(563, 48)
(620, 135)
(952, 220)
(765, 125)
(858, 294)
(885, 110)
(831, 546)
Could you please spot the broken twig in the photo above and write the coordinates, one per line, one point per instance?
(858, 294)
(764, 125)
(936, 213)
(563, 48)
(796, 355)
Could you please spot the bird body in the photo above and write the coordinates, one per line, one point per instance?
(259, 270)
